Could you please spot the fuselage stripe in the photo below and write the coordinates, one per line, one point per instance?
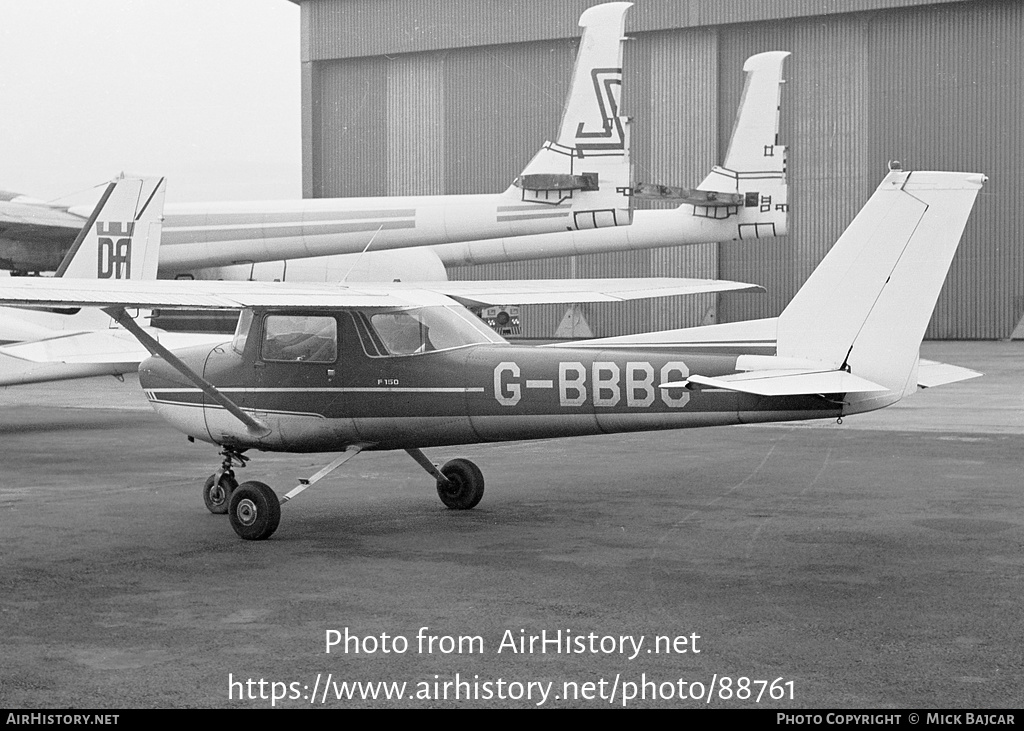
(328, 389)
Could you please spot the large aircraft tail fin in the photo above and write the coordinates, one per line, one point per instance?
(121, 239)
(866, 307)
(587, 166)
(754, 169)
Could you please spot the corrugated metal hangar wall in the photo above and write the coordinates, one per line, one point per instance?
(438, 96)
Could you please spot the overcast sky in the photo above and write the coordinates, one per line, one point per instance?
(205, 92)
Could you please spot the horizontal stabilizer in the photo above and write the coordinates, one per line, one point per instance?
(931, 373)
(784, 383)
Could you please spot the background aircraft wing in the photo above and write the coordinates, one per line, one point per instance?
(35, 223)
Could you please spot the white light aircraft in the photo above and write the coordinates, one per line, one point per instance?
(391, 366)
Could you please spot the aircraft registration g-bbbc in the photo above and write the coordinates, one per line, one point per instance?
(344, 369)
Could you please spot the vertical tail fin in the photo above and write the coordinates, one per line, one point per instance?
(588, 164)
(755, 164)
(866, 307)
(756, 129)
(121, 238)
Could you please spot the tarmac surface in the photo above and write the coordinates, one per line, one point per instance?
(877, 564)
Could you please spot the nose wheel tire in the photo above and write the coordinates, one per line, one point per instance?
(254, 511)
(465, 485)
(217, 493)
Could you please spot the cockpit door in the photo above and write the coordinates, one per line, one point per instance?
(296, 365)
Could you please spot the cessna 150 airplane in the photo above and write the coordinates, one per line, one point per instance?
(574, 197)
(346, 369)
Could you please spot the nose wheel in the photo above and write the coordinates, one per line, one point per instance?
(219, 486)
(217, 492)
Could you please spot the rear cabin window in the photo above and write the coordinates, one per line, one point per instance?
(300, 338)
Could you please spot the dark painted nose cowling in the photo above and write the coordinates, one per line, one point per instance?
(156, 373)
(173, 396)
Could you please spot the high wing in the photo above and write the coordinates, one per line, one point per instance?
(172, 294)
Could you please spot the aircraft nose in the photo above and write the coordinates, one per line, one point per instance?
(155, 372)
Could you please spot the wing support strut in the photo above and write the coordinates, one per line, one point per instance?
(423, 461)
(255, 426)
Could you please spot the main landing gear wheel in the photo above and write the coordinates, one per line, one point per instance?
(217, 493)
(254, 511)
(465, 485)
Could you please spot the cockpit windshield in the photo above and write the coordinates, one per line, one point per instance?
(242, 331)
(421, 330)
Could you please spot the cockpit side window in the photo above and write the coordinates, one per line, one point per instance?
(416, 330)
(300, 338)
(242, 331)
(402, 332)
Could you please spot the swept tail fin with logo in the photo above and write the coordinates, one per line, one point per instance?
(588, 164)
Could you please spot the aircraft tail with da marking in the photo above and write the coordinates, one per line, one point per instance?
(120, 240)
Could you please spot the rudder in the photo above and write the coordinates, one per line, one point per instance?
(866, 307)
